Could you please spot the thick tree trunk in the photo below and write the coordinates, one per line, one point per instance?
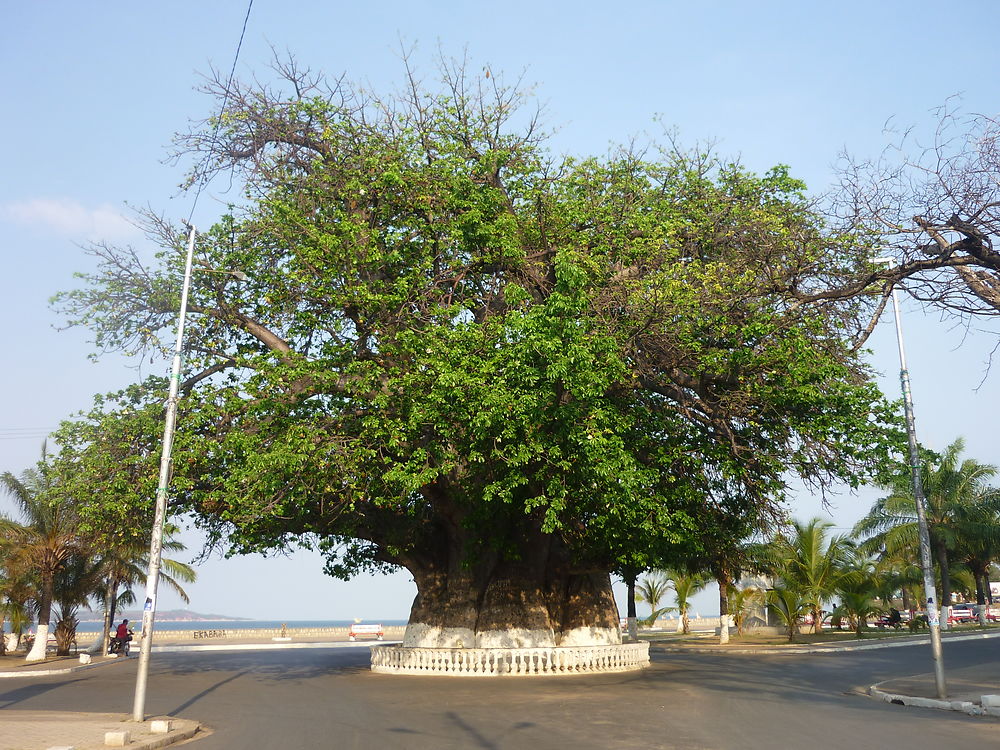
(723, 582)
(538, 600)
(65, 635)
(110, 599)
(633, 625)
(37, 652)
(941, 552)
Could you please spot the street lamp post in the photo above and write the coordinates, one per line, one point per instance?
(156, 538)
(926, 564)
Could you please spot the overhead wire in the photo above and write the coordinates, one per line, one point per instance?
(24, 433)
(225, 100)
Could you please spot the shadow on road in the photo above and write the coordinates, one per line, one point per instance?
(207, 691)
(32, 690)
(278, 666)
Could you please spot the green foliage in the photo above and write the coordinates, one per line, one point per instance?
(812, 563)
(80, 534)
(789, 605)
(963, 511)
(451, 340)
(686, 584)
(860, 592)
(108, 467)
(38, 545)
(651, 589)
(743, 603)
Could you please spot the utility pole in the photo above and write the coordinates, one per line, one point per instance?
(156, 538)
(926, 564)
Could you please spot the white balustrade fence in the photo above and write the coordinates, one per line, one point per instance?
(514, 662)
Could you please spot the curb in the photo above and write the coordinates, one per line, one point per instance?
(966, 707)
(63, 670)
(265, 646)
(167, 739)
(818, 649)
(186, 648)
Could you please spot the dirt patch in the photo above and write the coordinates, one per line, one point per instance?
(16, 661)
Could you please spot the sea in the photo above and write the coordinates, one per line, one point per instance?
(93, 626)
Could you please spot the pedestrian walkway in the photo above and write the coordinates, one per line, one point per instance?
(41, 730)
(966, 688)
(16, 666)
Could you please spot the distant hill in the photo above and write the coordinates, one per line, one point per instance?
(167, 615)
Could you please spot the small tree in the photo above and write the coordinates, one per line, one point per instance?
(108, 464)
(789, 605)
(812, 563)
(124, 565)
(75, 582)
(860, 594)
(651, 590)
(44, 541)
(15, 604)
(743, 603)
(685, 586)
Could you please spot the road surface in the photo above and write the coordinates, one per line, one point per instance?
(327, 698)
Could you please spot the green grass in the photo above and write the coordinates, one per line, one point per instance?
(827, 635)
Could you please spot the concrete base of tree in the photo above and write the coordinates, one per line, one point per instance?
(37, 652)
(510, 662)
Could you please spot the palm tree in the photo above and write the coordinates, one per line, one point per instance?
(125, 565)
(897, 574)
(743, 603)
(960, 505)
(979, 546)
(43, 543)
(811, 563)
(861, 591)
(11, 605)
(651, 590)
(16, 600)
(74, 584)
(685, 586)
(789, 605)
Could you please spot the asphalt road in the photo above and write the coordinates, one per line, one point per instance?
(327, 698)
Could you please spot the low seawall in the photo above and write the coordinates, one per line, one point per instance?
(200, 635)
(694, 623)
(319, 634)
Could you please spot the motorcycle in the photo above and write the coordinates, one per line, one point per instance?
(120, 646)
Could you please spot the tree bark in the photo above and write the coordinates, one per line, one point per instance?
(633, 626)
(37, 652)
(941, 552)
(723, 581)
(110, 597)
(536, 600)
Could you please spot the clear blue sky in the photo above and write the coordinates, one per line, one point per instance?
(94, 91)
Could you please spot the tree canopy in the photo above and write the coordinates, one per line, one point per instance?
(505, 370)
